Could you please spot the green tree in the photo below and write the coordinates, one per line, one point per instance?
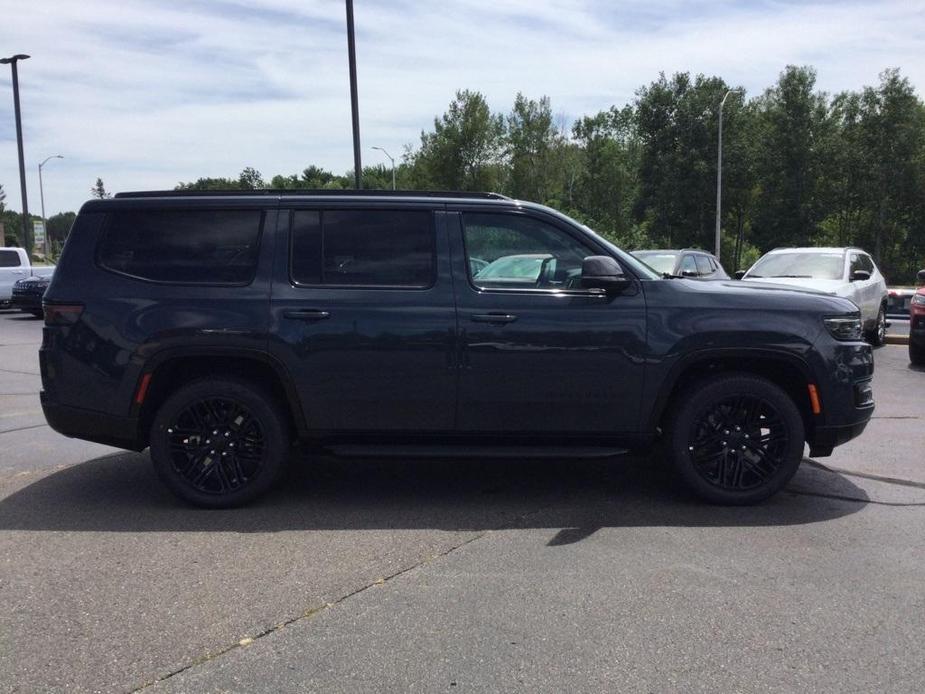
(58, 228)
(464, 150)
(99, 190)
(531, 144)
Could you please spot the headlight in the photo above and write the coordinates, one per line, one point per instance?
(918, 299)
(844, 327)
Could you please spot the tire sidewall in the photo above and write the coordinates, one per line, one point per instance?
(704, 395)
(261, 405)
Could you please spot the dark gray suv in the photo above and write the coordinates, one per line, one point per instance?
(220, 328)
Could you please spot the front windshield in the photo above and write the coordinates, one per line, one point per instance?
(658, 260)
(817, 266)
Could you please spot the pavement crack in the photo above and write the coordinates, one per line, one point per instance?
(31, 426)
(841, 497)
(15, 371)
(869, 476)
(309, 613)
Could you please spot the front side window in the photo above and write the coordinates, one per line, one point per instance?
(703, 265)
(688, 266)
(183, 246)
(9, 258)
(506, 251)
(363, 248)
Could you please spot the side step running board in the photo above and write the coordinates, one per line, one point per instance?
(474, 451)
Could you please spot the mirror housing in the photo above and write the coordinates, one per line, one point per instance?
(860, 276)
(603, 272)
(689, 273)
(738, 274)
(920, 278)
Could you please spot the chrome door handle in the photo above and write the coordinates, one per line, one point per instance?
(499, 318)
(306, 314)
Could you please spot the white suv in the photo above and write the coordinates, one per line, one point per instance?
(846, 272)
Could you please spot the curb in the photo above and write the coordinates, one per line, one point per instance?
(897, 339)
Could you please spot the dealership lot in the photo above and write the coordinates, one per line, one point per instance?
(448, 575)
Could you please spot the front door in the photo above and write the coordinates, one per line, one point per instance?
(539, 354)
(362, 315)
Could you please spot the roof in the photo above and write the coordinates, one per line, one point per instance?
(285, 192)
(812, 249)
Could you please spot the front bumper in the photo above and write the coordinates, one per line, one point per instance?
(27, 301)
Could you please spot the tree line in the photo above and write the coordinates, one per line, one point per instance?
(800, 167)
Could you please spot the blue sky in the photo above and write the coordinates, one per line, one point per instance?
(147, 93)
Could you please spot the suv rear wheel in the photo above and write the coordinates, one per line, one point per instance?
(219, 442)
(877, 336)
(735, 439)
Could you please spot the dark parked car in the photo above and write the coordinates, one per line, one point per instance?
(917, 322)
(28, 293)
(217, 329)
(687, 262)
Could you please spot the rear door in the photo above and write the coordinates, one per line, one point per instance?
(363, 316)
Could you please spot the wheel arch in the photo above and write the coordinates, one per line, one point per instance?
(784, 369)
(168, 370)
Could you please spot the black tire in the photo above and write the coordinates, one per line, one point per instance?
(725, 465)
(916, 354)
(877, 336)
(245, 458)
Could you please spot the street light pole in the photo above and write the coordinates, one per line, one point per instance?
(719, 173)
(392, 159)
(354, 106)
(42, 198)
(22, 160)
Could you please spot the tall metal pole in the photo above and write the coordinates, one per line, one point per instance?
(391, 159)
(22, 160)
(354, 106)
(42, 198)
(719, 177)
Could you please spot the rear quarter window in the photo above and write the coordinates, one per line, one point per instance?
(9, 258)
(186, 246)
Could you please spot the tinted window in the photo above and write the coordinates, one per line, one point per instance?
(520, 252)
(363, 248)
(9, 259)
(703, 265)
(183, 246)
(866, 263)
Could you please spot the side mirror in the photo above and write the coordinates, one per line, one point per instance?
(920, 278)
(860, 275)
(738, 274)
(603, 272)
(689, 273)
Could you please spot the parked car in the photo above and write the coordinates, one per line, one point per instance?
(847, 272)
(14, 266)
(217, 329)
(28, 293)
(687, 262)
(917, 323)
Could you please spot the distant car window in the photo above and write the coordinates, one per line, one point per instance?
(363, 248)
(658, 261)
(9, 258)
(820, 266)
(183, 246)
(521, 253)
(866, 263)
(688, 266)
(714, 266)
(703, 265)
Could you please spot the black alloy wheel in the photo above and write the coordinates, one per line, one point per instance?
(735, 439)
(219, 442)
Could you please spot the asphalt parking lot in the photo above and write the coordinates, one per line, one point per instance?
(454, 576)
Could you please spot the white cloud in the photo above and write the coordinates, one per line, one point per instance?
(145, 93)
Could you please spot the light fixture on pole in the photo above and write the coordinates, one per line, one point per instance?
(392, 159)
(22, 160)
(719, 172)
(42, 197)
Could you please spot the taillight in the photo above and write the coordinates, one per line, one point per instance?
(62, 314)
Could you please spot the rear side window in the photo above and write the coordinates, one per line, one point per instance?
(363, 248)
(9, 258)
(183, 246)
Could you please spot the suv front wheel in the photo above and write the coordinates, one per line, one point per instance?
(219, 442)
(735, 439)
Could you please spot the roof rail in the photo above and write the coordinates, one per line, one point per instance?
(308, 192)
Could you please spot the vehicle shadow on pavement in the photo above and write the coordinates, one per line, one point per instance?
(120, 493)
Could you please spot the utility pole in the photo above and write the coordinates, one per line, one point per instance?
(42, 198)
(719, 173)
(354, 106)
(22, 160)
(392, 159)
